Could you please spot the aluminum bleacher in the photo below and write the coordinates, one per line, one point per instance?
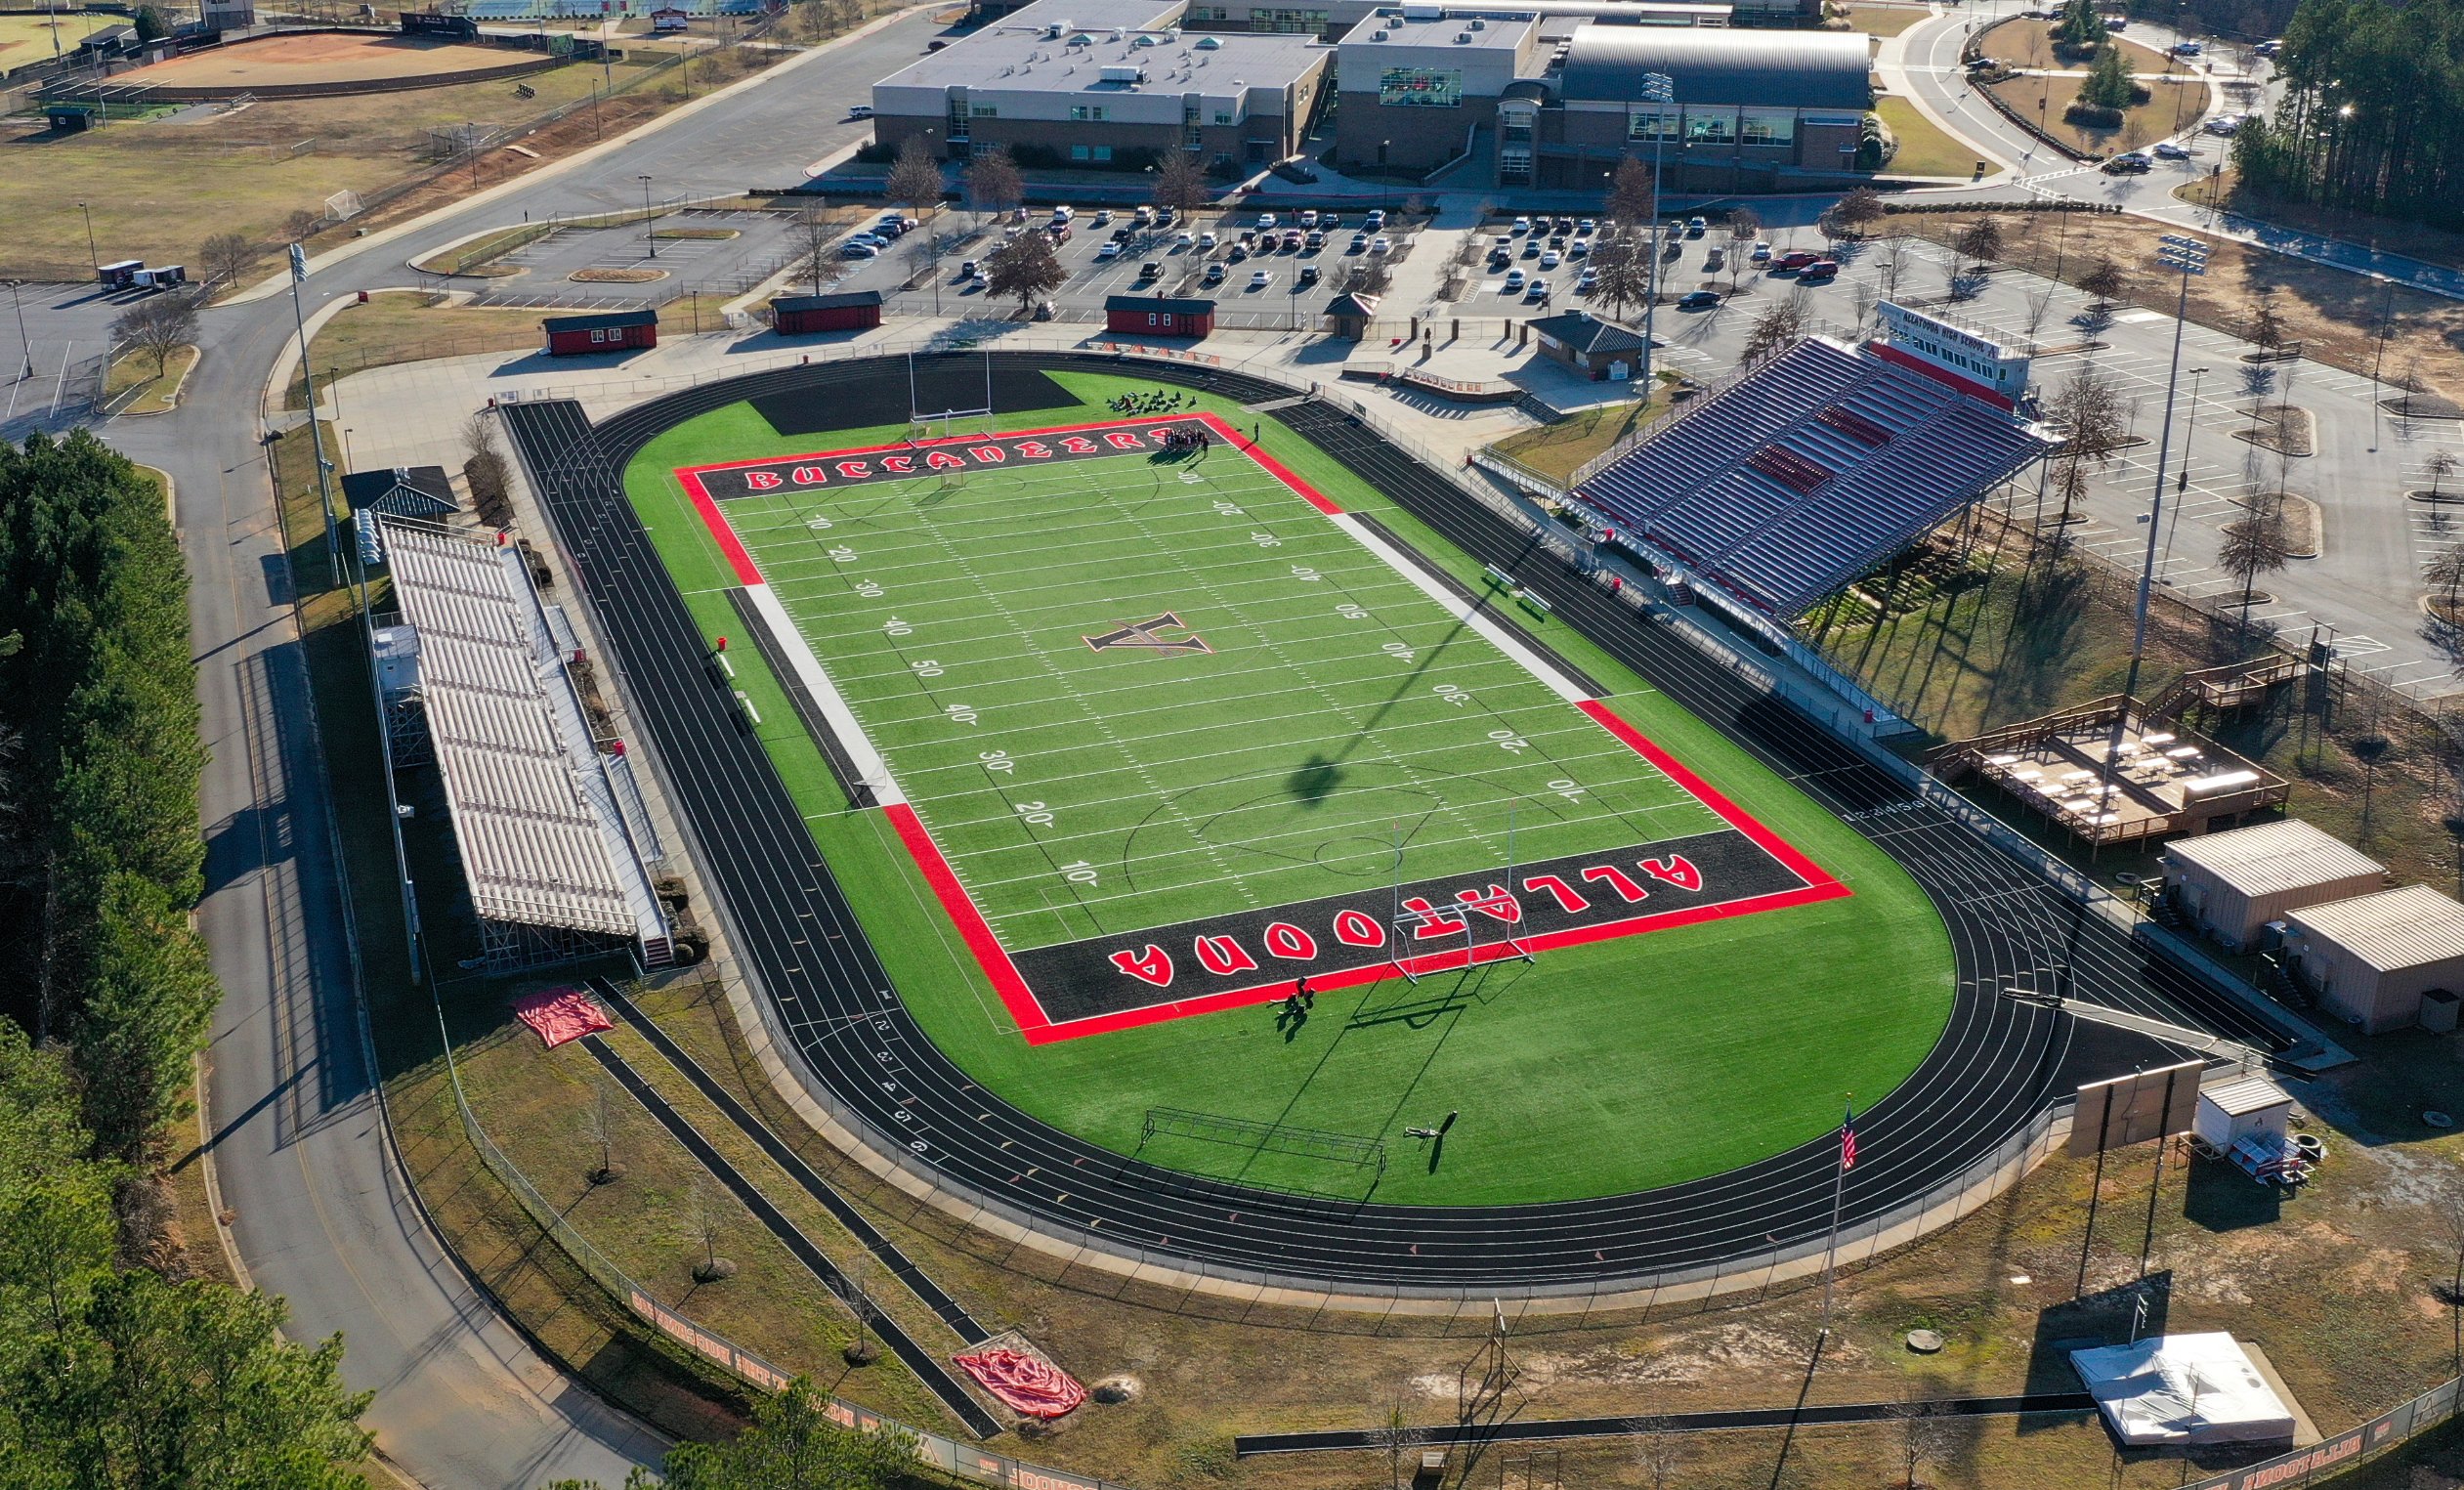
(1802, 474)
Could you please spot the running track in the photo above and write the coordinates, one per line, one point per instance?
(1999, 1062)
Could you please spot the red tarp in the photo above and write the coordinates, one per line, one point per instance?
(1033, 1387)
(561, 1014)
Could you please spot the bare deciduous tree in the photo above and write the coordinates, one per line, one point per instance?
(857, 1274)
(159, 325)
(1776, 331)
(813, 232)
(2439, 467)
(598, 1119)
(1981, 242)
(1398, 1438)
(2254, 545)
(2103, 280)
(1925, 1437)
(1180, 182)
(2371, 751)
(1893, 262)
(705, 1214)
(915, 176)
(227, 257)
(1860, 209)
(1024, 267)
(1630, 193)
(1622, 263)
(2089, 412)
(1659, 1451)
(992, 183)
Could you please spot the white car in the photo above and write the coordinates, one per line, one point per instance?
(1265, 219)
(1537, 290)
(1513, 281)
(1382, 245)
(981, 282)
(2168, 150)
(1260, 279)
(1184, 241)
(1587, 281)
(1552, 259)
(2224, 124)
(1205, 241)
(1762, 253)
(1587, 227)
(1107, 253)
(1695, 227)
(1522, 225)
(1309, 218)
(1064, 214)
(1376, 220)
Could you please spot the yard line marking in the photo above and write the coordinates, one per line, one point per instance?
(1454, 605)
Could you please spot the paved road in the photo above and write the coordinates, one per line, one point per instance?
(322, 1216)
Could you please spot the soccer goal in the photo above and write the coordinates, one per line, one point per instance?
(1425, 935)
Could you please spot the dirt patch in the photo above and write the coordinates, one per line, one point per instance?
(2284, 428)
(2305, 526)
(325, 57)
(2038, 101)
(617, 275)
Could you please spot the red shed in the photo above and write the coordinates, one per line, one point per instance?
(854, 311)
(607, 331)
(1158, 316)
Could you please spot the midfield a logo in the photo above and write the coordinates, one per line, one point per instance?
(1148, 635)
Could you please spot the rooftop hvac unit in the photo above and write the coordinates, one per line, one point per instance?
(1424, 13)
(1377, 36)
(1463, 38)
(1124, 74)
(1056, 30)
(1479, 25)
(1143, 41)
(1207, 43)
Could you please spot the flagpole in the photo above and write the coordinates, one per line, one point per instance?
(1831, 1251)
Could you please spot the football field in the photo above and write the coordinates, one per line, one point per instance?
(1113, 739)
(1169, 731)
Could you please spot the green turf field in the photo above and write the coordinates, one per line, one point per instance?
(1598, 1068)
(1338, 719)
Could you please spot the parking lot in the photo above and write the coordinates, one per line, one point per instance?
(1297, 283)
(696, 250)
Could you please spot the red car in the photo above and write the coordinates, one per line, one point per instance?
(1819, 270)
(1798, 260)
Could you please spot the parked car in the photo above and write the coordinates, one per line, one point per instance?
(1762, 253)
(2117, 23)
(1308, 275)
(1060, 231)
(1151, 270)
(1382, 245)
(1064, 214)
(1799, 260)
(1329, 221)
(1715, 261)
(1698, 300)
(859, 110)
(2129, 164)
(1265, 219)
(854, 250)
(1587, 281)
(1107, 253)
(1184, 241)
(2188, 49)
(1102, 217)
(1214, 274)
(2166, 150)
(870, 241)
(1376, 220)
(979, 281)
(1237, 254)
(1552, 259)
(1513, 282)
(1294, 238)
(2269, 47)
(1587, 227)
(1695, 227)
(1261, 278)
(1360, 243)
(2227, 124)
(1819, 272)
(1309, 217)
(1314, 242)
(1522, 225)
(1166, 218)
(1143, 216)
(1579, 248)
(1206, 242)
(1531, 248)
(1537, 291)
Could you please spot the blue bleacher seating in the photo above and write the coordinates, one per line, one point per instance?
(1800, 475)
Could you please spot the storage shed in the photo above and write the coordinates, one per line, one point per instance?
(1592, 345)
(1158, 316)
(2232, 884)
(2241, 1108)
(2372, 957)
(603, 331)
(1349, 314)
(802, 315)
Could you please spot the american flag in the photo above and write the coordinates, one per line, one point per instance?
(1847, 1140)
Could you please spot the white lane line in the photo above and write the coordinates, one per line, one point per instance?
(1462, 610)
(870, 769)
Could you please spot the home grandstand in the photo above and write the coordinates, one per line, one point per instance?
(1797, 477)
(553, 847)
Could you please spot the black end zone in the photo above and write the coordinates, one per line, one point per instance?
(943, 380)
(842, 769)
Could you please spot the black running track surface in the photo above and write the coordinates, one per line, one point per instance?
(1998, 1061)
(1557, 1430)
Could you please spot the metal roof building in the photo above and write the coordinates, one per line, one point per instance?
(2371, 959)
(555, 866)
(2234, 883)
(1720, 66)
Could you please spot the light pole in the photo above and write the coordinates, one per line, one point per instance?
(648, 236)
(2378, 360)
(27, 371)
(92, 257)
(316, 433)
(1659, 90)
(2187, 257)
(2182, 481)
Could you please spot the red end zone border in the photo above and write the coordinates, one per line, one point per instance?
(1039, 1028)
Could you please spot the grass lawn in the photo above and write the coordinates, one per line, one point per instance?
(2170, 109)
(158, 189)
(1885, 20)
(479, 256)
(2024, 43)
(133, 376)
(1925, 148)
(400, 326)
(1641, 1036)
(1560, 449)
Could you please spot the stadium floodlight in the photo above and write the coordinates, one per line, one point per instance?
(1659, 90)
(2187, 257)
